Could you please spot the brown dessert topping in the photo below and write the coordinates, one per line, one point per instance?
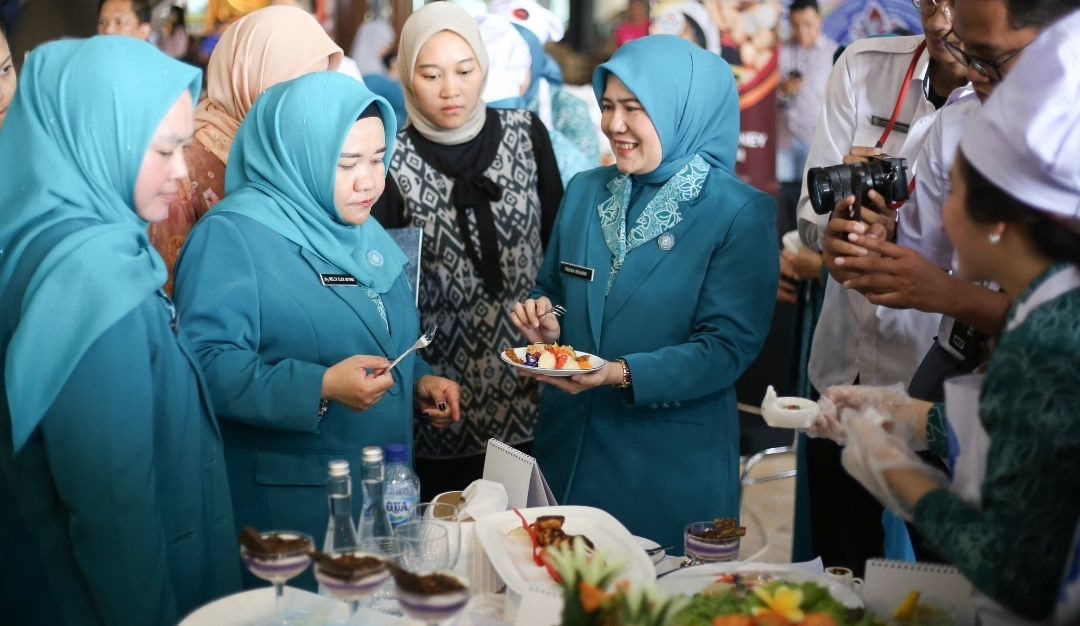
(271, 544)
(723, 528)
(348, 566)
(426, 585)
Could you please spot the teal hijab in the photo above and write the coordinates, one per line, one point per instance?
(285, 155)
(689, 94)
(71, 148)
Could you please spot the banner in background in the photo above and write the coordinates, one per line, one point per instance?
(746, 35)
(848, 20)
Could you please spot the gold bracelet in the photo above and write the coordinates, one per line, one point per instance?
(626, 380)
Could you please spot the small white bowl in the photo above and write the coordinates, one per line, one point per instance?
(777, 415)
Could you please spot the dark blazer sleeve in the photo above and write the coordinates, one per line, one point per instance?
(548, 181)
(217, 296)
(389, 209)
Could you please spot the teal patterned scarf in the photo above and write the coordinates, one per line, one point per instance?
(659, 216)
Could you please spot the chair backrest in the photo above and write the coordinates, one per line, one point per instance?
(410, 241)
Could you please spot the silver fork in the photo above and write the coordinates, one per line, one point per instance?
(558, 310)
(423, 342)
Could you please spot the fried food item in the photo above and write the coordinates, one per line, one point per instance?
(510, 354)
(549, 533)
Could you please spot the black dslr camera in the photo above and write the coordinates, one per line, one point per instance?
(884, 174)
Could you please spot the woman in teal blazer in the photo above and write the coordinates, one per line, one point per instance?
(667, 266)
(108, 442)
(284, 283)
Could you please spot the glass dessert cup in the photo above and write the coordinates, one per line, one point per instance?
(432, 605)
(279, 567)
(351, 587)
(706, 550)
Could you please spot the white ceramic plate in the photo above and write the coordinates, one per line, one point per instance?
(690, 580)
(302, 607)
(511, 555)
(594, 360)
(649, 544)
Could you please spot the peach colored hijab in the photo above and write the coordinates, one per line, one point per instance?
(258, 51)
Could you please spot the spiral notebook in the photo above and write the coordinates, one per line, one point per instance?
(519, 473)
(889, 582)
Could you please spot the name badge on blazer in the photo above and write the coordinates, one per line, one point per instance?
(337, 280)
(576, 271)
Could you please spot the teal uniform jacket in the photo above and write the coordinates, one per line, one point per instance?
(123, 483)
(266, 330)
(688, 321)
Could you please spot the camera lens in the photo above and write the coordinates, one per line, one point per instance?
(820, 187)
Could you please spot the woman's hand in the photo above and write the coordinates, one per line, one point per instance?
(610, 374)
(352, 384)
(439, 399)
(526, 317)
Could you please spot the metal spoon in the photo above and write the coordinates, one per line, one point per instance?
(423, 342)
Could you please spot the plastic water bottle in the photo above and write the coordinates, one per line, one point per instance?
(373, 520)
(340, 532)
(402, 486)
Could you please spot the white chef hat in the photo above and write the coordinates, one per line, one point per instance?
(543, 23)
(1026, 138)
(509, 57)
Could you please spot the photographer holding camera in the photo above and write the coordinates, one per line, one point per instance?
(988, 37)
(880, 99)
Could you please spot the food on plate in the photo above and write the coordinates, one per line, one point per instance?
(723, 528)
(775, 603)
(791, 407)
(550, 356)
(906, 609)
(549, 533)
(546, 532)
(744, 581)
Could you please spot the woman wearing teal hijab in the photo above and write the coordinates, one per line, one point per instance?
(295, 300)
(666, 264)
(107, 438)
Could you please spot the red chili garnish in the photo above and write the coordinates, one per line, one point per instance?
(538, 553)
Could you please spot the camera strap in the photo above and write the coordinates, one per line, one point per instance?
(896, 112)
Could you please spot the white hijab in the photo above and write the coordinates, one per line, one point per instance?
(422, 25)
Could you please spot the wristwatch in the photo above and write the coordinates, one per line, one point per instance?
(626, 380)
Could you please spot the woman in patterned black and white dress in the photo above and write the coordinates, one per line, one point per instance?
(484, 186)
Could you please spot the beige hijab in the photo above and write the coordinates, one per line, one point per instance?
(258, 51)
(421, 25)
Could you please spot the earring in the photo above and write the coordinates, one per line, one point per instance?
(994, 238)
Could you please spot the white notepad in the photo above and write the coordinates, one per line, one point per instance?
(888, 583)
(519, 473)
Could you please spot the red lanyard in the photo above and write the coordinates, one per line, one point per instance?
(896, 112)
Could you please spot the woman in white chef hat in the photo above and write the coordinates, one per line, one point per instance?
(1011, 432)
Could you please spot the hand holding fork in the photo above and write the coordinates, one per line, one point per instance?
(538, 320)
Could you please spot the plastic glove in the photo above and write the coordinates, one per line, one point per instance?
(871, 450)
(895, 407)
(827, 423)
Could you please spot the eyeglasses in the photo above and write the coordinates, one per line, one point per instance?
(989, 69)
(927, 8)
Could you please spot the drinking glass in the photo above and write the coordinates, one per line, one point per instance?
(431, 547)
(355, 589)
(279, 568)
(446, 515)
(432, 609)
(392, 549)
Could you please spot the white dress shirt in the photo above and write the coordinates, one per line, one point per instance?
(921, 228)
(854, 338)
